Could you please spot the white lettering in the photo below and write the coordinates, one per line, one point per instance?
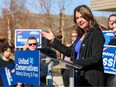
(108, 62)
(21, 40)
(108, 54)
(26, 68)
(34, 32)
(7, 71)
(23, 61)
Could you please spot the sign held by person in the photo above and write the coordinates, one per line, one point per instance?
(7, 75)
(21, 36)
(27, 67)
(109, 59)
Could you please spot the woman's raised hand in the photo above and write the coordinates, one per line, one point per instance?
(48, 35)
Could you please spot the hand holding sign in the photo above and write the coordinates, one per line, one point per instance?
(25, 46)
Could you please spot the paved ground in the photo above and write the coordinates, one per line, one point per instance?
(58, 81)
(57, 77)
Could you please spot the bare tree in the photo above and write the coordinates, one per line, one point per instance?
(45, 6)
(7, 17)
(13, 13)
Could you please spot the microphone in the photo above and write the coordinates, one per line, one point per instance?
(59, 36)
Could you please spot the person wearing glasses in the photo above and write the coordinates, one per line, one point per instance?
(32, 45)
(73, 36)
(65, 72)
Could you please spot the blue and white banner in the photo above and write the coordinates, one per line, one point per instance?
(7, 74)
(21, 36)
(109, 59)
(109, 35)
(27, 67)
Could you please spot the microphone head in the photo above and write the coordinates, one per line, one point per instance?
(59, 36)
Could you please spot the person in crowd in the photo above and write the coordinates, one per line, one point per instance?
(73, 36)
(32, 45)
(111, 19)
(86, 50)
(110, 77)
(113, 41)
(5, 59)
(65, 72)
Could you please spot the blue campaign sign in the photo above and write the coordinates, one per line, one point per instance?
(27, 67)
(21, 36)
(109, 59)
(108, 36)
(7, 75)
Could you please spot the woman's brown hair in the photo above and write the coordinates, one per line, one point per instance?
(87, 15)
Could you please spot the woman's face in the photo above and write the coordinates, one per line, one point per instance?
(7, 53)
(82, 23)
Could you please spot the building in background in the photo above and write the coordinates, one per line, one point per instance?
(103, 5)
